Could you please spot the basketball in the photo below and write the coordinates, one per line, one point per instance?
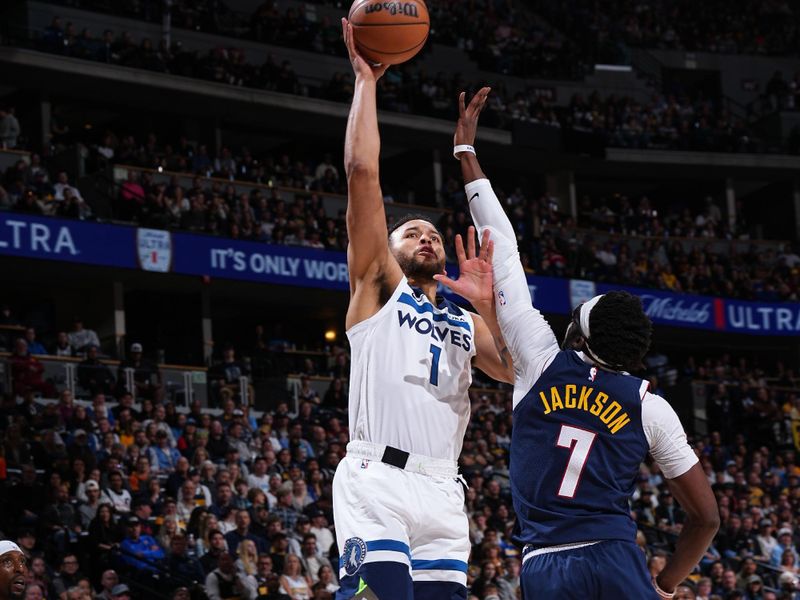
(389, 32)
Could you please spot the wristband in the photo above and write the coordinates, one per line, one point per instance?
(662, 593)
(462, 148)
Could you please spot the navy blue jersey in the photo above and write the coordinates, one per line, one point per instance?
(576, 447)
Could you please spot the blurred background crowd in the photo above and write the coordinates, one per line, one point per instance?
(119, 485)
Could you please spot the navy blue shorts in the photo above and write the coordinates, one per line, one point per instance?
(610, 570)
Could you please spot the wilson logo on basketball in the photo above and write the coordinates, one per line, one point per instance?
(408, 9)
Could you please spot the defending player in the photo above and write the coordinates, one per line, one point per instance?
(582, 425)
(13, 571)
(398, 502)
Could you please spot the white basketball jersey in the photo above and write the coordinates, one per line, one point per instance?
(409, 375)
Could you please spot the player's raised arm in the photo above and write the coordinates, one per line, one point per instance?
(475, 284)
(530, 339)
(688, 483)
(368, 251)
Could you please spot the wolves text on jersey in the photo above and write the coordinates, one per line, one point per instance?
(586, 399)
(440, 332)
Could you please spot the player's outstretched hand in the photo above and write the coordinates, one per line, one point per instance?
(475, 279)
(467, 125)
(361, 67)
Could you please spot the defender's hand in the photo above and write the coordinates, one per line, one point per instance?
(361, 67)
(475, 278)
(467, 125)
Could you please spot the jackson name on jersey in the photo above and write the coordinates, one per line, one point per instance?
(586, 399)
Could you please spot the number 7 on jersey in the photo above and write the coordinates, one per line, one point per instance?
(579, 441)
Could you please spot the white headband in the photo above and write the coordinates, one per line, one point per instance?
(583, 318)
(585, 311)
(8, 546)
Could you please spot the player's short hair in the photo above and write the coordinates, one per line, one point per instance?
(411, 217)
(620, 330)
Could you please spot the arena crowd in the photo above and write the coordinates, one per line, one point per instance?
(675, 121)
(617, 239)
(118, 493)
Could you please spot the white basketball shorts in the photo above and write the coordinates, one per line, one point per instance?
(386, 514)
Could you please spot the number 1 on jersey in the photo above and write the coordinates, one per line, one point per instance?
(436, 352)
(579, 441)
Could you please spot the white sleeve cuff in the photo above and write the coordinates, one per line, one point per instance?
(666, 437)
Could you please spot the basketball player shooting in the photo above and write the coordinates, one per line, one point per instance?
(588, 423)
(398, 499)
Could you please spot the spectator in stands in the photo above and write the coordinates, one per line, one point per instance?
(788, 584)
(87, 510)
(9, 128)
(100, 410)
(310, 558)
(238, 438)
(34, 347)
(61, 519)
(284, 509)
(146, 376)
(180, 565)
(242, 532)
(120, 592)
(247, 558)
(158, 417)
(217, 444)
(143, 509)
(68, 576)
(186, 501)
(177, 476)
(27, 372)
(217, 547)
(62, 186)
(164, 458)
(103, 535)
(326, 579)
(63, 346)
(293, 583)
(225, 376)
(93, 375)
(72, 207)
(80, 339)
(225, 582)
(319, 527)
(140, 551)
(108, 580)
(324, 166)
(171, 525)
(132, 197)
(306, 392)
(336, 396)
(785, 544)
(266, 578)
(259, 478)
(116, 494)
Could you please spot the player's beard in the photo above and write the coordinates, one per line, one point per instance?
(417, 268)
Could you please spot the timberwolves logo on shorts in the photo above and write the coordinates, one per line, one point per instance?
(353, 555)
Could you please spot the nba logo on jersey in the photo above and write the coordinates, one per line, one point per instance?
(353, 555)
(592, 373)
(502, 297)
(364, 463)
